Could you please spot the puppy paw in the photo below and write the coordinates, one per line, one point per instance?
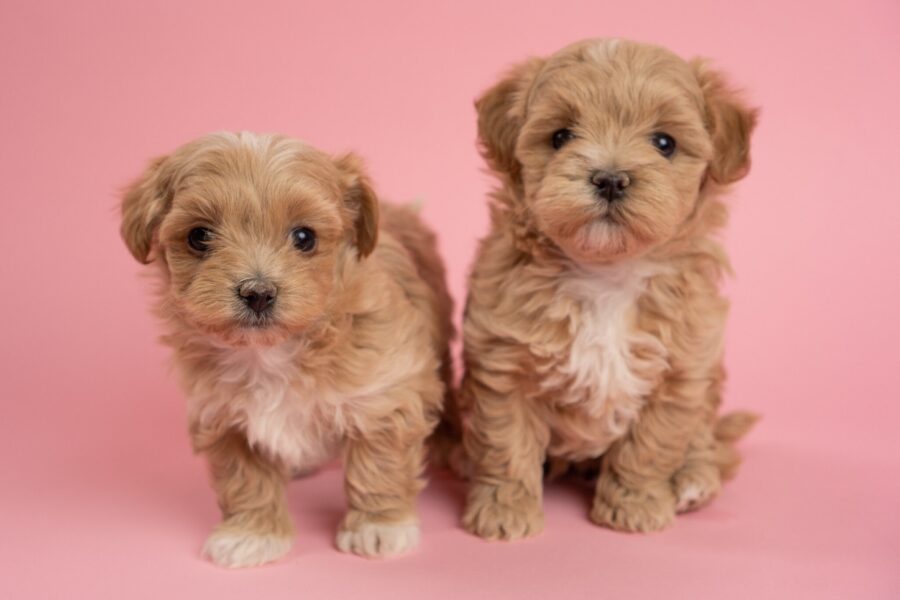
(235, 549)
(695, 486)
(376, 540)
(491, 519)
(632, 510)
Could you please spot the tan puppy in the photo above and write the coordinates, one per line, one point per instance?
(594, 323)
(297, 337)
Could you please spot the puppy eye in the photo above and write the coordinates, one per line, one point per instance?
(304, 239)
(199, 239)
(663, 142)
(560, 137)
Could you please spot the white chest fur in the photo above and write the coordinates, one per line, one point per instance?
(611, 366)
(282, 410)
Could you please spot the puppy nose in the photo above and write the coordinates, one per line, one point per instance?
(611, 184)
(259, 296)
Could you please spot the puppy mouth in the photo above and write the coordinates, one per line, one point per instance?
(612, 218)
(611, 212)
(255, 321)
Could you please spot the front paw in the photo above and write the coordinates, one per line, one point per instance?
(236, 548)
(633, 510)
(377, 540)
(491, 518)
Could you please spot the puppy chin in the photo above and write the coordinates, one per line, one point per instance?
(592, 233)
(261, 334)
(243, 336)
(243, 331)
(602, 241)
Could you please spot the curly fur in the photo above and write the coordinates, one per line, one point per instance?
(593, 330)
(353, 361)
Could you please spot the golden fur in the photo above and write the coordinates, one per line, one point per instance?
(594, 327)
(350, 360)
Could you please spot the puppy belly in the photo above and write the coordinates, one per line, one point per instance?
(575, 435)
(295, 439)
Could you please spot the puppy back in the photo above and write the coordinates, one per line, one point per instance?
(403, 223)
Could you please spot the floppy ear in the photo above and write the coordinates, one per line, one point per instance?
(144, 204)
(729, 122)
(360, 198)
(501, 113)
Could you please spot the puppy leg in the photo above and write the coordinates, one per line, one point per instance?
(634, 491)
(382, 480)
(506, 445)
(255, 527)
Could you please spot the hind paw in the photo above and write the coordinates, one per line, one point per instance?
(695, 486)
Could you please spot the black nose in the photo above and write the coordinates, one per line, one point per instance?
(259, 296)
(611, 184)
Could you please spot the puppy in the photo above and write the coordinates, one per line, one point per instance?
(298, 338)
(594, 323)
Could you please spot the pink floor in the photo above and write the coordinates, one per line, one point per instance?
(100, 496)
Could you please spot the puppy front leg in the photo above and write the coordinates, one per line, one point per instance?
(506, 445)
(381, 472)
(255, 527)
(634, 491)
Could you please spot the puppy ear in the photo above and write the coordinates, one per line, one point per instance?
(729, 122)
(144, 204)
(360, 198)
(501, 113)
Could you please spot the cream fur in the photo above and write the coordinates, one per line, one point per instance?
(601, 364)
(297, 424)
(238, 550)
(287, 413)
(373, 540)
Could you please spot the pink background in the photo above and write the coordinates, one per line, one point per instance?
(100, 496)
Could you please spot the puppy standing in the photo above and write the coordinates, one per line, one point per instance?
(296, 336)
(594, 323)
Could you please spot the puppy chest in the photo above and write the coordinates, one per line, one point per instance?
(283, 411)
(608, 366)
(608, 357)
(297, 426)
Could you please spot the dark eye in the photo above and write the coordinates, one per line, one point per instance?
(199, 238)
(304, 239)
(663, 142)
(560, 137)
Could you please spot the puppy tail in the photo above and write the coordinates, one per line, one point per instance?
(733, 426)
(728, 430)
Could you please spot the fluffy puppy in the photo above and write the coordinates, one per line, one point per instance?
(298, 338)
(594, 323)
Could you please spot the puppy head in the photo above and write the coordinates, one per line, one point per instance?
(608, 144)
(251, 231)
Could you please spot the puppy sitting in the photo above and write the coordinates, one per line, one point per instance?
(296, 336)
(594, 323)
